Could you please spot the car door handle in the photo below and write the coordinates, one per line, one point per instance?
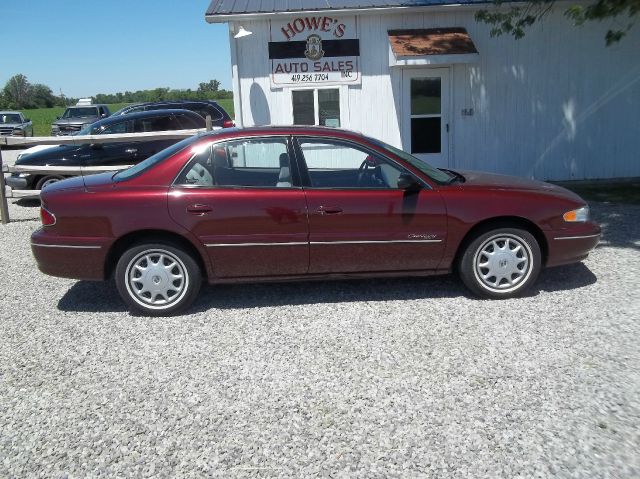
(131, 150)
(198, 209)
(329, 210)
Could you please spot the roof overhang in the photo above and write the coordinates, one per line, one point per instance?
(432, 46)
(239, 17)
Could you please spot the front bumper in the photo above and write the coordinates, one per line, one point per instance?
(18, 182)
(572, 245)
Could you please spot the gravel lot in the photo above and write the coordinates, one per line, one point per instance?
(388, 378)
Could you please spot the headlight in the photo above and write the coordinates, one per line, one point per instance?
(17, 132)
(577, 216)
(55, 128)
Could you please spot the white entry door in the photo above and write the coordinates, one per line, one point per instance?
(425, 112)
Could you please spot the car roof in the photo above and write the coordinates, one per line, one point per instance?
(146, 114)
(230, 134)
(161, 102)
(289, 130)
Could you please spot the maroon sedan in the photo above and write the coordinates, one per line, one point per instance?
(297, 203)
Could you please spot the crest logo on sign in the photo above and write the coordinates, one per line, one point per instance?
(314, 49)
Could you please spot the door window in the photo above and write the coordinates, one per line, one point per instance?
(335, 164)
(204, 110)
(119, 127)
(159, 123)
(426, 115)
(190, 123)
(242, 163)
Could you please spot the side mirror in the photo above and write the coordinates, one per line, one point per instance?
(57, 117)
(27, 120)
(408, 182)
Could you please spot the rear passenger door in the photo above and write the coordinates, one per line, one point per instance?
(242, 199)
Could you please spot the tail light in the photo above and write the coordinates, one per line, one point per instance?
(47, 217)
(228, 124)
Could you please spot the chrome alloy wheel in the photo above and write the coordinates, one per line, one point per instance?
(502, 263)
(156, 279)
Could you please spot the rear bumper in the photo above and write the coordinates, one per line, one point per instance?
(571, 246)
(76, 258)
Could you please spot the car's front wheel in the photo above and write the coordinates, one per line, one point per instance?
(500, 263)
(157, 279)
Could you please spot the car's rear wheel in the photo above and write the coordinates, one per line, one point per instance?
(500, 263)
(47, 180)
(157, 279)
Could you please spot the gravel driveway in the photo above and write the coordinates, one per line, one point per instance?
(388, 378)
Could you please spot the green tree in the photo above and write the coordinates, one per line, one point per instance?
(41, 96)
(515, 20)
(17, 91)
(209, 87)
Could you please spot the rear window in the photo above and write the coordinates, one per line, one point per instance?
(154, 160)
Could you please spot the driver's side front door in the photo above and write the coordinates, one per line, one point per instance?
(359, 220)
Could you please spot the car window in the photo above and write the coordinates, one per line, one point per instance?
(336, 164)
(153, 160)
(242, 163)
(204, 110)
(80, 112)
(188, 122)
(7, 118)
(118, 127)
(158, 123)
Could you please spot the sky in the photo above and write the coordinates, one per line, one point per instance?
(85, 47)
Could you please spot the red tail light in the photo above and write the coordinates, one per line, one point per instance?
(47, 217)
(228, 124)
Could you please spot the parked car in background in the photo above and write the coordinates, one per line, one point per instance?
(13, 123)
(75, 118)
(219, 117)
(296, 203)
(94, 157)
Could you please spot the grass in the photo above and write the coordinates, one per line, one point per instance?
(43, 117)
(227, 104)
(614, 191)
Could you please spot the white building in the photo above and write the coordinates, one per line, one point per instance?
(425, 76)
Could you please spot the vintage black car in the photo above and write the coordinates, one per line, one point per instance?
(92, 158)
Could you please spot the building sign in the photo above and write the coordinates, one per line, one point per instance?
(314, 50)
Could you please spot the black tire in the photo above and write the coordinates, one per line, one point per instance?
(46, 180)
(513, 254)
(169, 294)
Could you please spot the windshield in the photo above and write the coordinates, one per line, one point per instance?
(435, 174)
(6, 118)
(154, 160)
(83, 112)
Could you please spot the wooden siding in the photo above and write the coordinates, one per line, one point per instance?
(556, 105)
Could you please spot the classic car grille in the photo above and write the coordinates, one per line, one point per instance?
(5, 130)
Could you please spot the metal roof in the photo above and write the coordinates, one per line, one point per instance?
(227, 10)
